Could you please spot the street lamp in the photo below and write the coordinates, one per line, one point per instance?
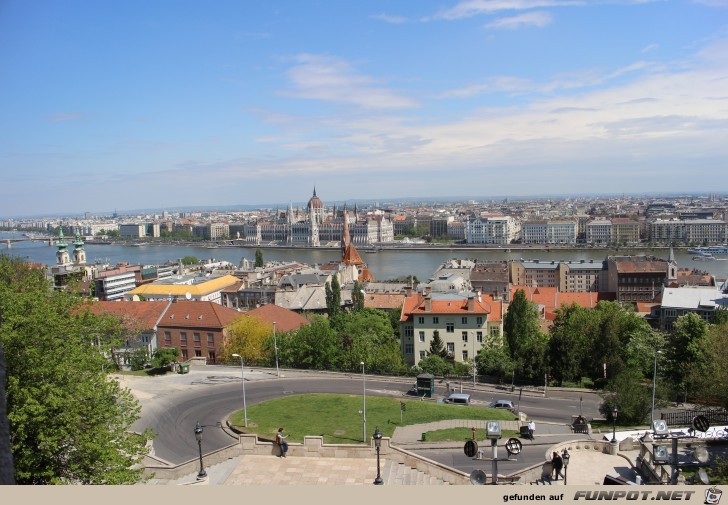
(275, 346)
(654, 384)
(364, 412)
(198, 435)
(565, 458)
(614, 425)
(378, 444)
(242, 369)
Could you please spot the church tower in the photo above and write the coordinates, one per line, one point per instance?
(79, 254)
(62, 257)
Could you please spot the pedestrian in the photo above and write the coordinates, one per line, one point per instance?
(280, 440)
(556, 465)
(531, 429)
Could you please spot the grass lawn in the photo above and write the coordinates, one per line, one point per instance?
(463, 435)
(337, 417)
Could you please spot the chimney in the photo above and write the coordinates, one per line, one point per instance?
(428, 303)
(408, 291)
(471, 303)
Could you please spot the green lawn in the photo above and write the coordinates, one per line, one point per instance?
(337, 417)
(463, 435)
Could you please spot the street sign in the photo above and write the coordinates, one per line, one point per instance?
(402, 406)
(700, 423)
(513, 446)
(471, 448)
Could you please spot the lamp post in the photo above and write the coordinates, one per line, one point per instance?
(565, 458)
(198, 435)
(242, 369)
(614, 425)
(378, 444)
(654, 384)
(364, 411)
(275, 346)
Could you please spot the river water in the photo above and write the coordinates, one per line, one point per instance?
(385, 264)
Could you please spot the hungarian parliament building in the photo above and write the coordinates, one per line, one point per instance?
(317, 226)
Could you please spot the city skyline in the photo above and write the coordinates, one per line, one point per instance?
(182, 104)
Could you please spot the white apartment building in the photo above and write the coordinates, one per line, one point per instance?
(697, 231)
(533, 232)
(561, 232)
(492, 230)
(599, 231)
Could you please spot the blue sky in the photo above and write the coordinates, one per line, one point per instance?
(152, 104)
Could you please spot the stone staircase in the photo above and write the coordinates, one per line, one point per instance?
(398, 474)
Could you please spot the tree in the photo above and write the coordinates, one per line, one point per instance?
(526, 343)
(687, 352)
(357, 296)
(720, 316)
(496, 361)
(246, 336)
(190, 260)
(259, 259)
(567, 344)
(333, 296)
(69, 421)
(314, 346)
(435, 365)
(628, 392)
(164, 357)
(366, 335)
(437, 347)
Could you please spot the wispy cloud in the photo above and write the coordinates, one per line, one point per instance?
(470, 8)
(387, 18)
(62, 117)
(650, 48)
(328, 78)
(535, 18)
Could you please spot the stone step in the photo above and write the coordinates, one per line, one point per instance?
(398, 474)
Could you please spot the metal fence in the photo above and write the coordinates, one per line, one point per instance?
(684, 417)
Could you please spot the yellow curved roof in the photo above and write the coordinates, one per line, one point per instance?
(201, 289)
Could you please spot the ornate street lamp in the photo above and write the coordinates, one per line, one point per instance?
(654, 384)
(242, 372)
(565, 458)
(614, 425)
(198, 435)
(275, 346)
(378, 444)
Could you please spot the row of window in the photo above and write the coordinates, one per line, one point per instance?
(464, 320)
(195, 335)
(198, 354)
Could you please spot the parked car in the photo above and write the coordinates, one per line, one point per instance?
(457, 399)
(502, 404)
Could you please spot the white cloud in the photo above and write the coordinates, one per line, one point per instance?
(469, 8)
(328, 78)
(650, 48)
(535, 18)
(387, 18)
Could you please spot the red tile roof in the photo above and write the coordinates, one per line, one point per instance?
(147, 313)
(286, 320)
(196, 314)
(415, 305)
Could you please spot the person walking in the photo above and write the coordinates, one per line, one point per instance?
(281, 441)
(556, 465)
(531, 428)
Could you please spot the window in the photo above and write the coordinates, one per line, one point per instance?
(450, 347)
(435, 320)
(183, 338)
(198, 353)
(465, 355)
(184, 354)
(450, 327)
(409, 348)
(422, 336)
(465, 336)
(479, 336)
(210, 338)
(211, 355)
(479, 320)
(465, 320)
(495, 331)
(167, 338)
(421, 320)
(422, 354)
(409, 331)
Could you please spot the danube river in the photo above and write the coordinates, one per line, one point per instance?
(385, 264)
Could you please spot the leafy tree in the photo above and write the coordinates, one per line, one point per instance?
(69, 422)
(190, 260)
(259, 259)
(720, 316)
(687, 351)
(367, 336)
(435, 365)
(313, 346)
(394, 317)
(164, 357)
(357, 296)
(567, 344)
(496, 361)
(333, 296)
(628, 393)
(526, 343)
(246, 336)
(139, 358)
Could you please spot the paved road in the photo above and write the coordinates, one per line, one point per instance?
(172, 404)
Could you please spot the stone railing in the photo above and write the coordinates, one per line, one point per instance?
(312, 447)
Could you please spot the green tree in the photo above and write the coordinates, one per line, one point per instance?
(333, 296)
(190, 260)
(687, 352)
(527, 344)
(496, 361)
(437, 346)
(720, 316)
(568, 344)
(314, 346)
(259, 259)
(628, 392)
(357, 296)
(69, 422)
(394, 317)
(435, 365)
(162, 358)
(366, 335)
